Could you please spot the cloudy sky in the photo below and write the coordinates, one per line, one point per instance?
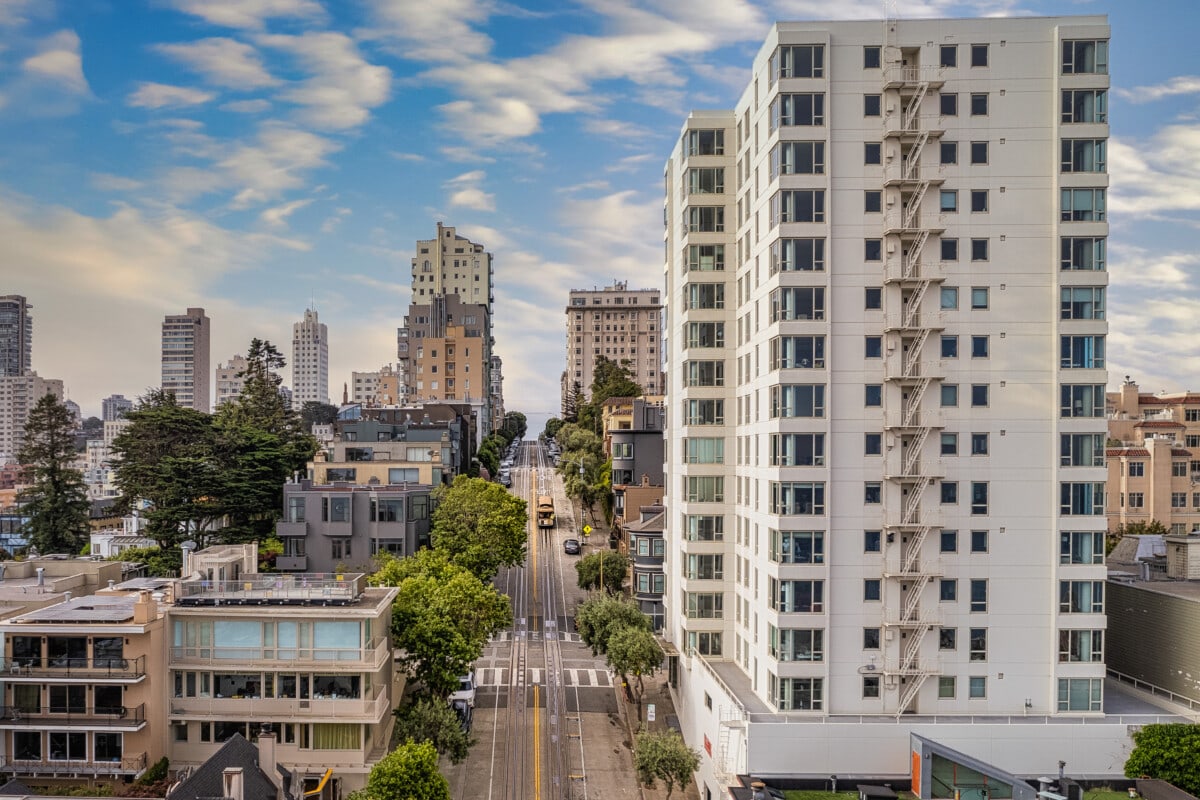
(256, 156)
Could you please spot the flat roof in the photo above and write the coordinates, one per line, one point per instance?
(93, 608)
(1184, 590)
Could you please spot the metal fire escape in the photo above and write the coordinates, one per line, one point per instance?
(911, 267)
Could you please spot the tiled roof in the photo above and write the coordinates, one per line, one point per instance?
(1127, 451)
(1158, 423)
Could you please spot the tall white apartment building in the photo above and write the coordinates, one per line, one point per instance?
(885, 284)
(185, 351)
(18, 395)
(310, 360)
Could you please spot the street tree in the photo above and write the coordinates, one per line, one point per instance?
(609, 379)
(552, 427)
(410, 772)
(55, 501)
(316, 413)
(442, 617)
(480, 525)
(1167, 752)
(431, 719)
(515, 425)
(663, 755)
(599, 618)
(633, 652)
(610, 565)
(160, 562)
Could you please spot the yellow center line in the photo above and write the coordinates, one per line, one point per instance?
(537, 749)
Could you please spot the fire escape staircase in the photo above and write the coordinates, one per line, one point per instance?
(731, 720)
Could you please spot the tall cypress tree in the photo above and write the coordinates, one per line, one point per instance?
(56, 500)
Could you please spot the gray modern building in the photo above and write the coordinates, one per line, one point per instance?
(185, 358)
(647, 551)
(16, 336)
(637, 452)
(335, 527)
(114, 406)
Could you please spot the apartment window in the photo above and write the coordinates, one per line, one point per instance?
(978, 640)
(797, 352)
(799, 498)
(873, 250)
(798, 547)
(948, 590)
(799, 644)
(949, 444)
(949, 542)
(1081, 646)
(1081, 547)
(873, 347)
(798, 158)
(797, 205)
(949, 346)
(872, 541)
(872, 493)
(946, 687)
(704, 412)
(979, 444)
(873, 395)
(979, 499)
(949, 200)
(979, 296)
(949, 297)
(1081, 597)
(1083, 205)
(872, 105)
(706, 257)
(979, 201)
(798, 255)
(798, 61)
(979, 541)
(872, 589)
(705, 605)
(705, 219)
(339, 548)
(871, 638)
(979, 347)
(1084, 56)
(335, 509)
(1136, 500)
(704, 373)
(872, 153)
(797, 597)
(978, 595)
(1082, 253)
(703, 296)
(948, 103)
(1136, 469)
(705, 334)
(1084, 155)
(949, 395)
(979, 152)
(1082, 302)
(704, 527)
(949, 490)
(1191, 415)
(798, 400)
(807, 109)
(705, 489)
(873, 444)
(979, 249)
(697, 450)
(796, 303)
(1082, 400)
(948, 55)
(1081, 352)
(798, 694)
(1179, 469)
(979, 395)
(796, 449)
(1081, 449)
(1178, 499)
(704, 143)
(979, 104)
(295, 512)
(870, 686)
(706, 644)
(1080, 694)
(702, 567)
(872, 57)
(949, 152)
(977, 686)
(706, 180)
(872, 201)
(1084, 105)
(872, 298)
(1081, 499)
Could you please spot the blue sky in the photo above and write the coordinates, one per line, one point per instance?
(252, 156)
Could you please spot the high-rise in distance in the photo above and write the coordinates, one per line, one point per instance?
(886, 286)
(185, 354)
(310, 360)
(618, 323)
(16, 336)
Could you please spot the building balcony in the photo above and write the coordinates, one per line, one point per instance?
(908, 77)
(49, 718)
(899, 172)
(284, 529)
(291, 563)
(316, 709)
(896, 127)
(75, 670)
(897, 223)
(320, 589)
(131, 765)
(896, 270)
(340, 659)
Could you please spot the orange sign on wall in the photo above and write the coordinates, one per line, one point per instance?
(707, 746)
(916, 773)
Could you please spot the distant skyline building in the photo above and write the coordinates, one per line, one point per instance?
(16, 335)
(310, 360)
(114, 407)
(452, 264)
(497, 391)
(185, 358)
(18, 395)
(445, 353)
(621, 324)
(230, 379)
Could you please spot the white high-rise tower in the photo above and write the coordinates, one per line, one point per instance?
(310, 361)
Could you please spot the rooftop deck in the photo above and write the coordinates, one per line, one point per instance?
(309, 589)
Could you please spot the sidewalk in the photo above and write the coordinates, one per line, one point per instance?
(659, 695)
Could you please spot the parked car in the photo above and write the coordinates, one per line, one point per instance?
(571, 547)
(466, 690)
(464, 712)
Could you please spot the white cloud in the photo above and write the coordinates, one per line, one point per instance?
(425, 31)
(465, 193)
(333, 222)
(277, 217)
(161, 95)
(59, 60)
(632, 163)
(1181, 84)
(343, 87)
(247, 106)
(1155, 176)
(465, 155)
(15, 12)
(407, 156)
(222, 62)
(250, 14)
(113, 183)
(615, 129)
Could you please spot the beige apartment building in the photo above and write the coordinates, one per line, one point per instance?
(452, 264)
(1153, 458)
(185, 354)
(619, 323)
(445, 351)
(18, 395)
(231, 379)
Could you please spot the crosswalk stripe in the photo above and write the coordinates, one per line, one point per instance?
(537, 675)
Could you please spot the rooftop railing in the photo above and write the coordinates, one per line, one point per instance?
(316, 588)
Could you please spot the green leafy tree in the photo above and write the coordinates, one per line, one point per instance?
(633, 652)
(441, 618)
(552, 427)
(609, 564)
(431, 719)
(315, 413)
(599, 618)
(160, 562)
(1168, 752)
(609, 379)
(93, 428)
(55, 501)
(489, 454)
(666, 757)
(515, 425)
(410, 772)
(480, 525)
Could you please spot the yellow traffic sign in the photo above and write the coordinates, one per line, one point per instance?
(587, 529)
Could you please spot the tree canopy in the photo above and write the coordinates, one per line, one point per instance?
(1167, 752)
(480, 525)
(317, 413)
(609, 379)
(664, 756)
(410, 772)
(431, 719)
(442, 617)
(615, 569)
(599, 618)
(55, 502)
(633, 652)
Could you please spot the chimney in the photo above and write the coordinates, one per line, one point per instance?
(266, 757)
(41, 576)
(232, 785)
(145, 610)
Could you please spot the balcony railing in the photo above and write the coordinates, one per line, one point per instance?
(65, 667)
(129, 717)
(373, 656)
(317, 588)
(267, 708)
(134, 764)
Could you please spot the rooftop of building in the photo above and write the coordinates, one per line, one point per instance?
(316, 590)
(90, 610)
